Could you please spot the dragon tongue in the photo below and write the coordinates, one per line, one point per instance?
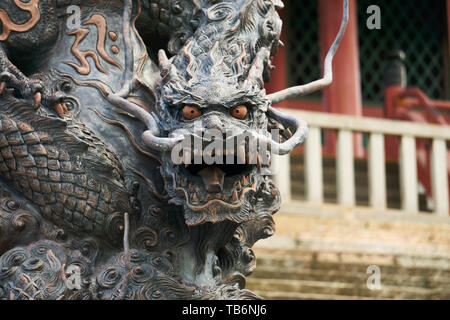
(213, 179)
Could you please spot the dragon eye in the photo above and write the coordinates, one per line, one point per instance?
(239, 112)
(191, 113)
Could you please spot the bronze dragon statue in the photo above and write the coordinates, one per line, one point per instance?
(95, 99)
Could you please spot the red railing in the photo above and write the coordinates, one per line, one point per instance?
(401, 104)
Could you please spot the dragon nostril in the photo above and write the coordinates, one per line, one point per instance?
(213, 122)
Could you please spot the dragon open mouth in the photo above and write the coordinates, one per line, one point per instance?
(221, 181)
(217, 179)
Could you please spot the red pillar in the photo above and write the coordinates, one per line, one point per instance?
(278, 79)
(344, 95)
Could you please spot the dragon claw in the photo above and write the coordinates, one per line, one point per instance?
(32, 90)
(28, 89)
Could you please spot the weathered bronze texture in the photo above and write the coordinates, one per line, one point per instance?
(89, 115)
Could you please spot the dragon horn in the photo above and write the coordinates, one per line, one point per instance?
(257, 69)
(164, 63)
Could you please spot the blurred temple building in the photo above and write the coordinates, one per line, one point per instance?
(367, 196)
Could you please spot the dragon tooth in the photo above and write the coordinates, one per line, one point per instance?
(198, 153)
(258, 160)
(241, 155)
(186, 158)
(253, 157)
(198, 194)
(288, 133)
(244, 181)
(238, 185)
(194, 197)
(235, 196)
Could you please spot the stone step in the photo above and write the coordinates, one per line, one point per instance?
(406, 265)
(351, 254)
(355, 268)
(309, 274)
(429, 281)
(321, 260)
(345, 289)
(276, 295)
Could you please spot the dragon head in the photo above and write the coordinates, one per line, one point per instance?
(212, 125)
(215, 117)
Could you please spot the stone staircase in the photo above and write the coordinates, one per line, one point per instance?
(327, 257)
(308, 274)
